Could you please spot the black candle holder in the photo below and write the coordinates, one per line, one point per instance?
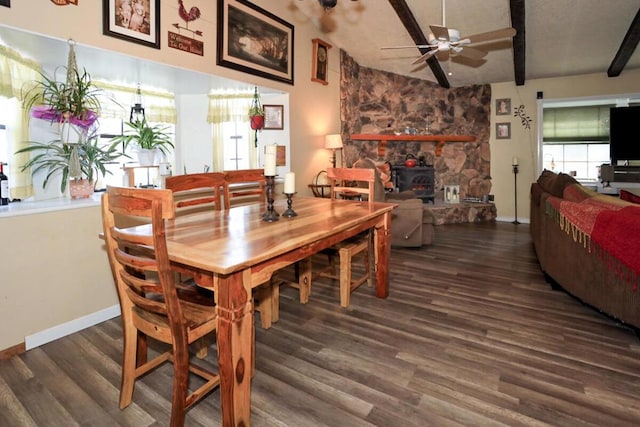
(270, 215)
(515, 193)
(289, 213)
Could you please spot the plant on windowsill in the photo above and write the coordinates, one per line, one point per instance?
(78, 164)
(147, 139)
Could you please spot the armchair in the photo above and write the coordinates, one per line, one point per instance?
(411, 224)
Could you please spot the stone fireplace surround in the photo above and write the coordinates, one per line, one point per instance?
(378, 102)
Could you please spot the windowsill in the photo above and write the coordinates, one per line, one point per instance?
(31, 207)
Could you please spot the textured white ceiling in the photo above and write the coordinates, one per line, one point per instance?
(563, 37)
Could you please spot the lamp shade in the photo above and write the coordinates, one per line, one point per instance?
(333, 141)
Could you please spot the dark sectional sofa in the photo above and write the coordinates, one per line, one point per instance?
(588, 244)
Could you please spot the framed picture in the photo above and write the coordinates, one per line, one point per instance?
(6, 3)
(503, 106)
(503, 130)
(320, 61)
(273, 116)
(136, 21)
(254, 41)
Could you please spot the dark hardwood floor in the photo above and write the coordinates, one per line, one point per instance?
(470, 335)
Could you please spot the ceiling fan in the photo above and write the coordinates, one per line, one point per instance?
(447, 41)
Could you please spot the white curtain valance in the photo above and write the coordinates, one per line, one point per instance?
(15, 72)
(229, 106)
(158, 106)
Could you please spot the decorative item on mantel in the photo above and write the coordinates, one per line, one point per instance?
(270, 152)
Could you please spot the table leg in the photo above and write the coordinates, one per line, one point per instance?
(235, 343)
(382, 246)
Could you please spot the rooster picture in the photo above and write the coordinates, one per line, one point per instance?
(192, 15)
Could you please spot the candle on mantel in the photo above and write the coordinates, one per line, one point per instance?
(515, 161)
(289, 183)
(270, 160)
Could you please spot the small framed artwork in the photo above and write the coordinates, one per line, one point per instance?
(6, 3)
(503, 106)
(136, 21)
(273, 117)
(320, 61)
(503, 130)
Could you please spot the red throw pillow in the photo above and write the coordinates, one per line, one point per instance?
(629, 196)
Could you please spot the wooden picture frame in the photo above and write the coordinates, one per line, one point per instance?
(142, 26)
(320, 66)
(503, 106)
(273, 117)
(6, 3)
(503, 130)
(246, 32)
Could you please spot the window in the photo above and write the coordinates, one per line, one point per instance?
(237, 142)
(576, 140)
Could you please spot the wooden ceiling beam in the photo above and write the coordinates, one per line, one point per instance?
(519, 40)
(414, 30)
(629, 44)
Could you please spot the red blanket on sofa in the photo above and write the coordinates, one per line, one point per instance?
(617, 233)
(613, 231)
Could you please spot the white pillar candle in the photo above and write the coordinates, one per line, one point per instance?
(289, 183)
(515, 161)
(270, 160)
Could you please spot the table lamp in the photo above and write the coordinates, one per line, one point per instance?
(333, 142)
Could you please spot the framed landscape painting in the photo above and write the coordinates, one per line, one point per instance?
(134, 21)
(254, 41)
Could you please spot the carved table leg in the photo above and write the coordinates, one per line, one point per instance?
(235, 358)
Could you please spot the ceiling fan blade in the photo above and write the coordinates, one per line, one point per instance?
(413, 46)
(472, 53)
(425, 56)
(440, 33)
(491, 35)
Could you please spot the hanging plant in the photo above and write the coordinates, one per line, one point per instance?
(256, 113)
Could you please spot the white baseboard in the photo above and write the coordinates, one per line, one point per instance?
(59, 331)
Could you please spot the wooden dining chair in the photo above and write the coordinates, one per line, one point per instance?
(244, 186)
(201, 191)
(149, 297)
(361, 192)
(196, 192)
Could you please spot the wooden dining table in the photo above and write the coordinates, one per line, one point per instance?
(232, 251)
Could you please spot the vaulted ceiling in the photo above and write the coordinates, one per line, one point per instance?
(554, 38)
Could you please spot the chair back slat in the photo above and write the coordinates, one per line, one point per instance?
(244, 186)
(140, 264)
(197, 190)
(363, 178)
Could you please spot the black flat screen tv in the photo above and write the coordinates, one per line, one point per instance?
(624, 140)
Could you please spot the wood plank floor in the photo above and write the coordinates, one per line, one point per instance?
(470, 335)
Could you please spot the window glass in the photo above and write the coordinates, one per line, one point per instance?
(238, 140)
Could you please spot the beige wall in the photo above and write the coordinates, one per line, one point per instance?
(54, 270)
(524, 143)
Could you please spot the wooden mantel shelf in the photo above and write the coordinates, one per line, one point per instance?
(384, 139)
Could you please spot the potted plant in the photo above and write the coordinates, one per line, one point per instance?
(147, 138)
(256, 112)
(256, 117)
(74, 104)
(79, 164)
